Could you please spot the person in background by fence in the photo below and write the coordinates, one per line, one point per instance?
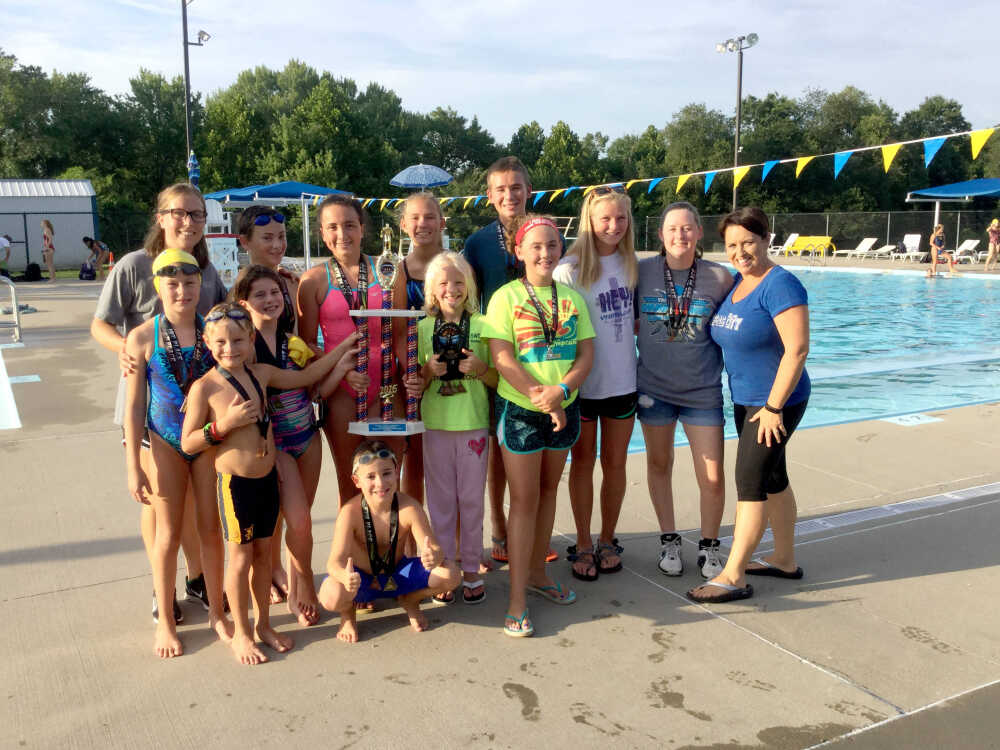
(938, 253)
(993, 232)
(5, 240)
(49, 248)
(100, 252)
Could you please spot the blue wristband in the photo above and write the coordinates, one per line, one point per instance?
(565, 390)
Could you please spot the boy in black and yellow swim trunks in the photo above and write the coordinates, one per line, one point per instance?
(366, 558)
(232, 396)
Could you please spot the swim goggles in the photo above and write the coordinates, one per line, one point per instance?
(607, 189)
(175, 268)
(366, 458)
(233, 313)
(264, 219)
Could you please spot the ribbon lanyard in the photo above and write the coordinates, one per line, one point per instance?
(549, 334)
(175, 357)
(345, 288)
(382, 565)
(679, 308)
(262, 422)
(289, 315)
(512, 266)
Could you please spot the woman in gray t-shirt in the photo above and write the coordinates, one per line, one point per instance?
(679, 378)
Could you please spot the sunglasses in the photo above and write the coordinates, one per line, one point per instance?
(607, 189)
(179, 214)
(185, 268)
(366, 458)
(264, 219)
(233, 313)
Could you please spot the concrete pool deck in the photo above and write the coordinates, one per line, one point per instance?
(889, 641)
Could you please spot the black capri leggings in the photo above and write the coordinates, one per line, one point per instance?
(760, 471)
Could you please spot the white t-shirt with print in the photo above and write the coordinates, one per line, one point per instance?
(609, 302)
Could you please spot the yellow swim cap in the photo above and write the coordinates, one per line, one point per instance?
(172, 257)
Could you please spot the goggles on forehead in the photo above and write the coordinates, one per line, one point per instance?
(264, 219)
(608, 190)
(175, 268)
(233, 313)
(366, 458)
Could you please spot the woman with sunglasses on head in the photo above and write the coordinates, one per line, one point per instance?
(679, 379)
(601, 266)
(174, 356)
(128, 298)
(327, 294)
(262, 235)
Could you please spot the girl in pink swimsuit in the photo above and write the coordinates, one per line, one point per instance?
(327, 293)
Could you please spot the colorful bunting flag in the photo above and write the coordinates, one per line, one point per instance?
(709, 176)
(570, 190)
(738, 174)
(979, 138)
(538, 197)
(382, 207)
(653, 184)
(839, 160)
(801, 164)
(889, 153)
(478, 198)
(629, 184)
(931, 148)
(468, 201)
(680, 182)
(768, 166)
(555, 194)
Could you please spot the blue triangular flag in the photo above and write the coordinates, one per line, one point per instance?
(570, 190)
(839, 160)
(538, 197)
(478, 198)
(931, 148)
(653, 184)
(709, 176)
(768, 166)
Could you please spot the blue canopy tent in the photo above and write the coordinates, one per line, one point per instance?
(285, 193)
(956, 192)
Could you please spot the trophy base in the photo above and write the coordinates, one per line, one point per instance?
(395, 427)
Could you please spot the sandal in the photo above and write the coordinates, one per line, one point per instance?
(605, 550)
(551, 555)
(467, 588)
(500, 557)
(445, 597)
(556, 593)
(581, 557)
(518, 627)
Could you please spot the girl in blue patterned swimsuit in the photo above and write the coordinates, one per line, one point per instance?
(300, 452)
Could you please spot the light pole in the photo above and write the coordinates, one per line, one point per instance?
(203, 36)
(737, 45)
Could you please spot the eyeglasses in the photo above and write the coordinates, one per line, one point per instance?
(179, 214)
(366, 458)
(264, 219)
(233, 313)
(185, 268)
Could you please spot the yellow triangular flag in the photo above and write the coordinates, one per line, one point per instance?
(442, 200)
(681, 180)
(468, 201)
(738, 174)
(630, 183)
(979, 138)
(587, 190)
(801, 164)
(384, 201)
(889, 153)
(316, 201)
(556, 194)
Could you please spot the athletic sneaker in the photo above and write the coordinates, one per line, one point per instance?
(709, 560)
(670, 554)
(195, 588)
(178, 612)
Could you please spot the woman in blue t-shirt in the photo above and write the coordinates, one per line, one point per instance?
(763, 329)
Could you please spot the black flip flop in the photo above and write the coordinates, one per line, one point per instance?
(728, 593)
(772, 571)
(573, 556)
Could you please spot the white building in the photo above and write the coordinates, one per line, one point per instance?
(71, 206)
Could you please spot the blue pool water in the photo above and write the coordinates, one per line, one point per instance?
(885, 344)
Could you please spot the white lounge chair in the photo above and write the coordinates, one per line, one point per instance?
(783, 249)
(863, 247)
(966, 252)
(877, 252)
(913, 252)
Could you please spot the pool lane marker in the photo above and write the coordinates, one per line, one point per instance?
(9, 419)
(15, 379)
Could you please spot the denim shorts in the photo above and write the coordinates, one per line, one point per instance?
(657, 413)
(521, 430)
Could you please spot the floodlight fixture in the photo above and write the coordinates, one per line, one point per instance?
(737, 44)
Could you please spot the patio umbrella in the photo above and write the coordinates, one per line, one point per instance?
(421, 176)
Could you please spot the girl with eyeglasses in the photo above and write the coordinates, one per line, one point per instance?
(601, 266)
(128, 298)
(327, 294)
(173, 357)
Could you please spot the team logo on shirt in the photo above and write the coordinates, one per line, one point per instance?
(530, 338)
(656, 308)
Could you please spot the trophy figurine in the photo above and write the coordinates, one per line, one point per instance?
(386, 271)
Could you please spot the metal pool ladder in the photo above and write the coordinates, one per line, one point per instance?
(16, 325)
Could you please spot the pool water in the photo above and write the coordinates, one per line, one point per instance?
(884, 344)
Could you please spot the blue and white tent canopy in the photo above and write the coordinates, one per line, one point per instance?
(958, 191)
(277, 194)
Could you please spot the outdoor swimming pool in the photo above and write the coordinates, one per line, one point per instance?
(890, 343)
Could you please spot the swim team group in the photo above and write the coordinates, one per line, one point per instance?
(526, 347)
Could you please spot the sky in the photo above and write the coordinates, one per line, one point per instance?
(609, 67)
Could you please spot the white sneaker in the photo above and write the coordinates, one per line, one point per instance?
(670, 554)
(709, 559)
